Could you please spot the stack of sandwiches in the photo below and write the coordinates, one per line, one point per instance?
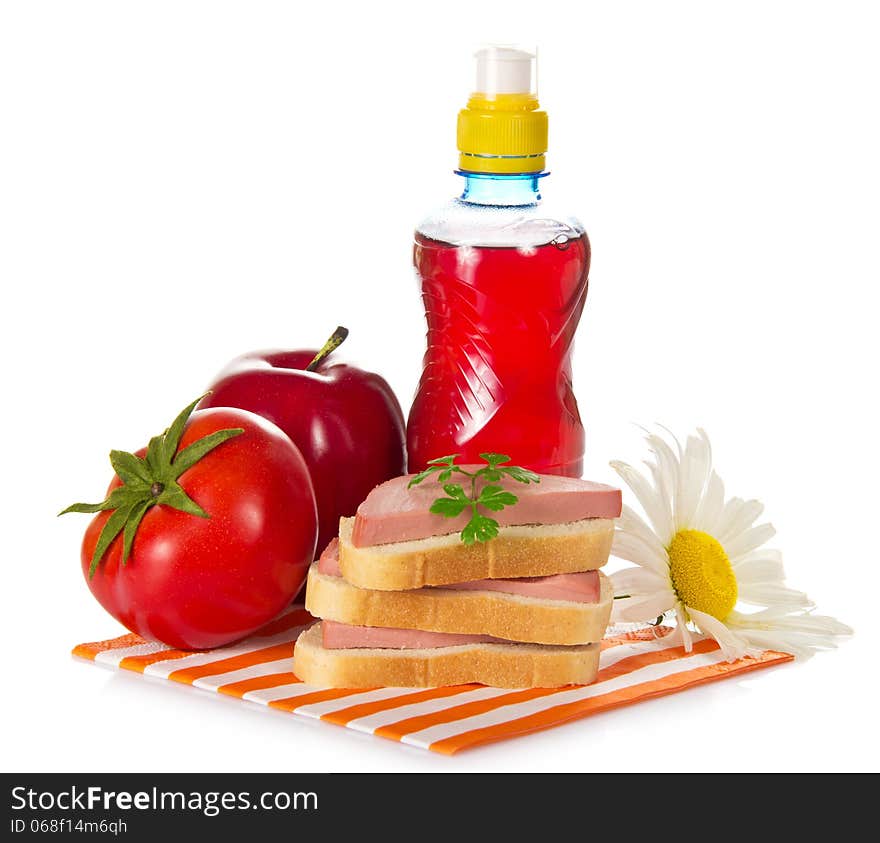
(405, 602)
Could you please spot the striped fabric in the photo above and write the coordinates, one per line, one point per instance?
(634, 666)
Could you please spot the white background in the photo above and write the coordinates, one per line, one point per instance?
(186, 181)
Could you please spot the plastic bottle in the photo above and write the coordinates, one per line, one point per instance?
(503, 281)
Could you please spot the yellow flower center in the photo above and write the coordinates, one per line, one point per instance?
(701, 573)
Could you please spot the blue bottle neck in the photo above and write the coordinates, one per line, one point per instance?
(492, 189)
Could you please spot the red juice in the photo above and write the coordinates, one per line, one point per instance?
(497, 370)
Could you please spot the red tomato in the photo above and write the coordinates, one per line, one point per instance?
(198, 583)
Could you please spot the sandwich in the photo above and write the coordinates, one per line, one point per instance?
(405, 601)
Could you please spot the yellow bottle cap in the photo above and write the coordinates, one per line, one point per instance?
(502, 130)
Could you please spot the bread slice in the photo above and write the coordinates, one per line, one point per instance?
(510, 616)
(520, 551)
(499, 665)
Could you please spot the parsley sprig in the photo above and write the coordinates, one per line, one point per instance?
(480, 528)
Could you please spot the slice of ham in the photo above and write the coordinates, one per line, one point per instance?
(342, 636)
(329, 562)
(577, 588)
(394, 513)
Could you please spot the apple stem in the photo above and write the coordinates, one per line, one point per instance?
(336, 339)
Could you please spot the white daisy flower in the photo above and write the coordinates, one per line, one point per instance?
(701, 556)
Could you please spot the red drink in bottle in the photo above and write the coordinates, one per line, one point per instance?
(497, 372)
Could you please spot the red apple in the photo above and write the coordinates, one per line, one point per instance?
(346, 422)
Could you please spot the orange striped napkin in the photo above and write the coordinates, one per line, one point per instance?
(634, 666)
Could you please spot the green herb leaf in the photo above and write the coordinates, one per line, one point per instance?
(443, 465)
(490, 475)
(449, 507)
(454, 490)
(422, 475)
(491, 496)
(480, 529)
(496, 498)
(495, 460)
(448, 460)
(521, 475)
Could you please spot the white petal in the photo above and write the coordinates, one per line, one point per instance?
(666, 460)
(633, 549)
(674, 438)
(705, 437)
(764, 617)
(746, 515)
(728, 515)
(675, 638)
(732, 645)
(764, 568)
(638, 582)
(749, 540)
(762, 554)
(665, 472)
(784, 642)
(682, 624)
(801, 634)
(645, 608)
(796, 622)
(773, 594)
(818, 624)
(631, 522)
(692, 480)
(646, 495)
(709, 511)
